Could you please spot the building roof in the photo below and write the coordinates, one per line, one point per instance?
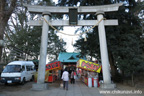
(69, 57)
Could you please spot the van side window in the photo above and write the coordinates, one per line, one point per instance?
(28, 68)
(32, 68)
(23, 68)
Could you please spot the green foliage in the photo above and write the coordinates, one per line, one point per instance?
(89, 47)
(24, 40)
(55, 46)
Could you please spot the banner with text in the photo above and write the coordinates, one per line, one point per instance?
(87, 65)
(54, 65)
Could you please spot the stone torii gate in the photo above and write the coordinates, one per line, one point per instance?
(46, 11)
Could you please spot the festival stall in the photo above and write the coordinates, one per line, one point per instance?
(88, 72)
(52, 71)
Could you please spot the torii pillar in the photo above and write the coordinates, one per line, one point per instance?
(104, 53)
(41, 85)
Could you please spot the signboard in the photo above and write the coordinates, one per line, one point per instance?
(90, 66)
(54, 65)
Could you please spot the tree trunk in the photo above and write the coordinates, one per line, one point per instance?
(112, 65)
(123, 75)
(2, 27)
(5, 13)
(132, 78)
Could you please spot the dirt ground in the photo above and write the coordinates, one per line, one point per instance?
(12, 89)
(128, 87)
(26, 86)
(15, 87)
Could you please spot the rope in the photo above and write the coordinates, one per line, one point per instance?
(71, 34)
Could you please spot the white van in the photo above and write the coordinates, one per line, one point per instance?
(18, 72)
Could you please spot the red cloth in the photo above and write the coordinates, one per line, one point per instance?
(74, 73)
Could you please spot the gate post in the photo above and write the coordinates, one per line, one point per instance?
(41, 85)
(104, 53)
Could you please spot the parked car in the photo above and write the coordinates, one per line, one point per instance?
(18, 72)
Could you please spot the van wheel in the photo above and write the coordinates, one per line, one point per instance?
(32, 79)
(23, 81)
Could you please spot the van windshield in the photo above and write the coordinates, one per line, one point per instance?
(12, 68)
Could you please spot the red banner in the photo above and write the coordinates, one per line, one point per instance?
(54, 65)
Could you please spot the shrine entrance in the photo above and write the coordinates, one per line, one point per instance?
(46, 11)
